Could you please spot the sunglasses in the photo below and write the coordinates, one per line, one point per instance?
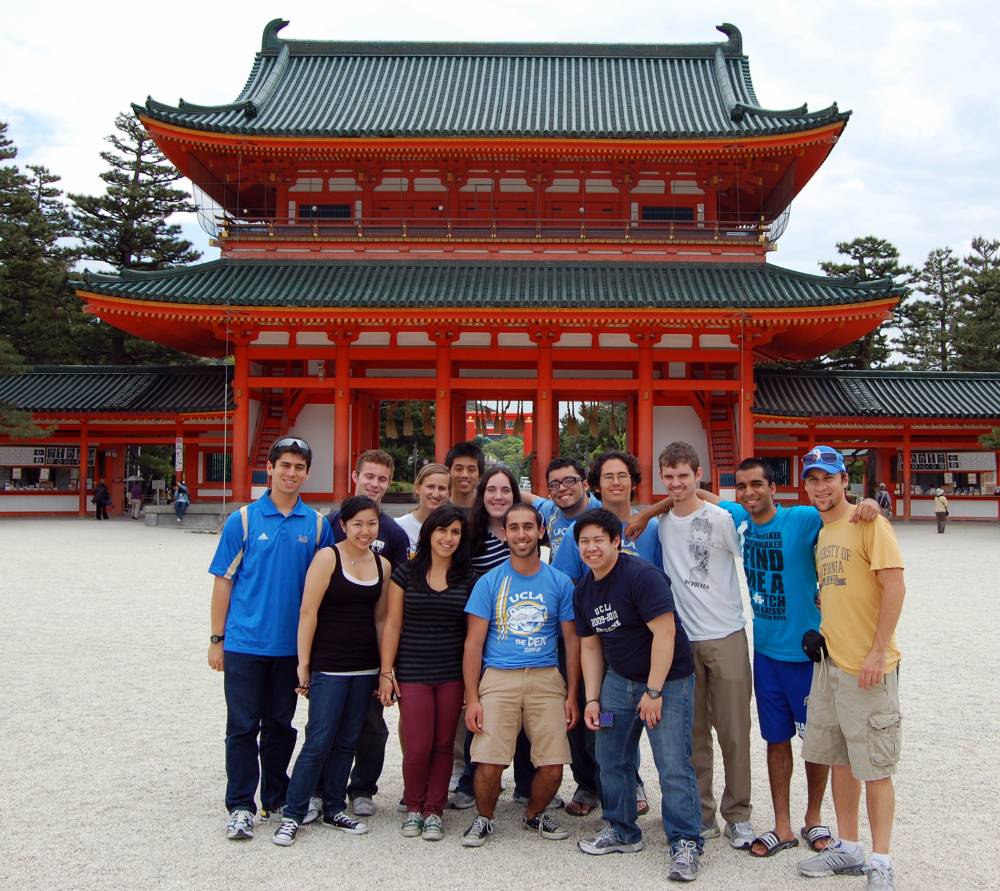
(292, 441)
(566, 482)
(821, 456)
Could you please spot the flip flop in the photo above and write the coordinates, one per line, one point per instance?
(772, 844)
(578, 808)
(817, 833)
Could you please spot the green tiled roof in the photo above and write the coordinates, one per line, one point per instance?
(508, 285)
(908, 394)
(153, 389)
(624, 91)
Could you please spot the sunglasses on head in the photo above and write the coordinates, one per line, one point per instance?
(821, 456)
(287, 441)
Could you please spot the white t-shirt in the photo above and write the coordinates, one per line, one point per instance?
(699, 555)
(411, 526)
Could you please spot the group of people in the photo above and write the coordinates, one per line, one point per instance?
(546, 631)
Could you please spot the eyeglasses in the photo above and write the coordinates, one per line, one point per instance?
(287, 441)
(615, 477)
(821, 456)
(567, 482)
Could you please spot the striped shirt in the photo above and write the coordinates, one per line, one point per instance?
(432, 639)
(493, 553)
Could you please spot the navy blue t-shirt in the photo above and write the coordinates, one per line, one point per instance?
(618, 607)
(392, 543)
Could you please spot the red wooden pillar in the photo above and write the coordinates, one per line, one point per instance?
(342, 416)
(907, 472)
(442, 393)
(84, 451)
(544, 409)
(241, 420)
(746, 390)
(644, 413)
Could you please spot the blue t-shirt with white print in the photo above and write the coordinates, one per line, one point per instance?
(557, 524)
(646, 546)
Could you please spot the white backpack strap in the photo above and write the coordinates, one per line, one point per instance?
(319, 528)
(245, 521)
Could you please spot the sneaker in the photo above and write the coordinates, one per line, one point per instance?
(453, 782)
(401, 807)
(556, 802)
(346, 823)
(362, 806)
(711, 831)
(607, 842)
(284, 835)
(240, 825)
(460, 801)
(834, 860)
(884, 879)
(546, 827)
(480, 830)
(433, 828)
(740, 834)
(685, 862)
(413, 825)
(312, 812)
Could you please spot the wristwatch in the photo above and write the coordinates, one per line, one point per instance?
(653, 693)
(217, 638)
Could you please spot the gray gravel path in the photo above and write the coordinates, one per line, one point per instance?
(111, 750)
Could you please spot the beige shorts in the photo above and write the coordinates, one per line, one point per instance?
(534, 698)
(848, 725)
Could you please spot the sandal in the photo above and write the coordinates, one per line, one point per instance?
(772, 844)
(579, 808)
(817, 833)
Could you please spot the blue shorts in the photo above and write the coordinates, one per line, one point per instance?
(781, 690)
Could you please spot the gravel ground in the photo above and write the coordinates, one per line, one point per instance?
(111, 754)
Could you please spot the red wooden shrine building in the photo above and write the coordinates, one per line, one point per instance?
(544, 223)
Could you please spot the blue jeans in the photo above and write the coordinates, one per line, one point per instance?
(336, 712)
(260, 701)
(670, 740)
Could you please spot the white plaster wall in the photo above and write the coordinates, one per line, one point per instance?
(315, 425)
(957, 507)
(18, 504)
(670, 424)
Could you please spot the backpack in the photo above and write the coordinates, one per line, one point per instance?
(245, 521)
(883, 499)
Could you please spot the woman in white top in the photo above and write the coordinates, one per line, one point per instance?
(940, 509)
(431, 489)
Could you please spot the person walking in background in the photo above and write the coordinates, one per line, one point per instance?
(340, 623)
(884, 500)
(422, 647)
(135, 499)
(182, 498)
(940, 509)
(101, 499)
(431, 490)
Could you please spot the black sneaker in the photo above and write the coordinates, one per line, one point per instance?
(346, 823)
(546, 827)
(481, 829)
(284, 835)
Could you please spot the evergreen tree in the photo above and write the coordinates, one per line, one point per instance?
(977, 344)
(929, 325)
(871, 258)
(127, 227)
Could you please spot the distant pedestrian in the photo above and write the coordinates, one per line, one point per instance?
(135, 499)
(884, 500)
(101, 499)
(182, 498)
(940, 509)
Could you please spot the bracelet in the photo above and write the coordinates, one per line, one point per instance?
(598, 701)
(387, 674)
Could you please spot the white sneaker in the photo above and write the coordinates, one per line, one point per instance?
(363, 806)
(740, 835)
(240, 825)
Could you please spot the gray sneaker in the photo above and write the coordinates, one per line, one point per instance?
(881, 879)
(685, 862)
(834, 860)
(607, 842)
(460, 801)
(239, 825)
(312, 813)
(362, 806)
(740, 835)
(711, 831)
(556, 802)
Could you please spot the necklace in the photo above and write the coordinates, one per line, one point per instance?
(361, 559)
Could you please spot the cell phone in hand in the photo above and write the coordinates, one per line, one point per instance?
(606, 719)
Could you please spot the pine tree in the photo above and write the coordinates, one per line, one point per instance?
(977, 344)
(127, 227)
(929, 325)
(871, 258)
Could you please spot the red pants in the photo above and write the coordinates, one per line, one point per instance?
(428, 713)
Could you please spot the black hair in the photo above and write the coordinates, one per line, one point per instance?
(354, 505)
(466, 450)
(594, 477)
(294, 444)
(479, 519)
(460, 569)
(751, 463)
(560, 463)
(524, 505)
(598, 516)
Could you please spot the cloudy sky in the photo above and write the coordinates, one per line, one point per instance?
(916, 164)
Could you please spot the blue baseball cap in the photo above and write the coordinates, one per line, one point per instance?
(824, 458)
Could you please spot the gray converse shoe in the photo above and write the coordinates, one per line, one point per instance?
(413, 825)
(740, 835)
(607, 842)
(362, 806)
(835, 860)
(433, 828)
(685, 862)
(460, 801)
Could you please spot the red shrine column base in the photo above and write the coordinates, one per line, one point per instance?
(644, 413)
(241, 420)
(745, 407)
(84, 451)
(543, 408)
(907, 473)
(442, 395)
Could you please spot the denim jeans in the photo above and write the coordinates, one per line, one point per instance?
(670, 741)
(260, 701)
(336, 713)
(370, 758)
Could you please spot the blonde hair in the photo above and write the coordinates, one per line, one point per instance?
(430, 470)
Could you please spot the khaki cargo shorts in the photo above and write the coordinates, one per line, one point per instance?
(530, 697)
(848, 725)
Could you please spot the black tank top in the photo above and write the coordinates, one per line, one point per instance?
(345, 637)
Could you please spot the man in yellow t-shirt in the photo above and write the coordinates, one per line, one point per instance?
(852, 719)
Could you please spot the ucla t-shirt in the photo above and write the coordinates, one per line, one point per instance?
(557, 524)
(646, 546)
(780, 566)
(524, 612)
